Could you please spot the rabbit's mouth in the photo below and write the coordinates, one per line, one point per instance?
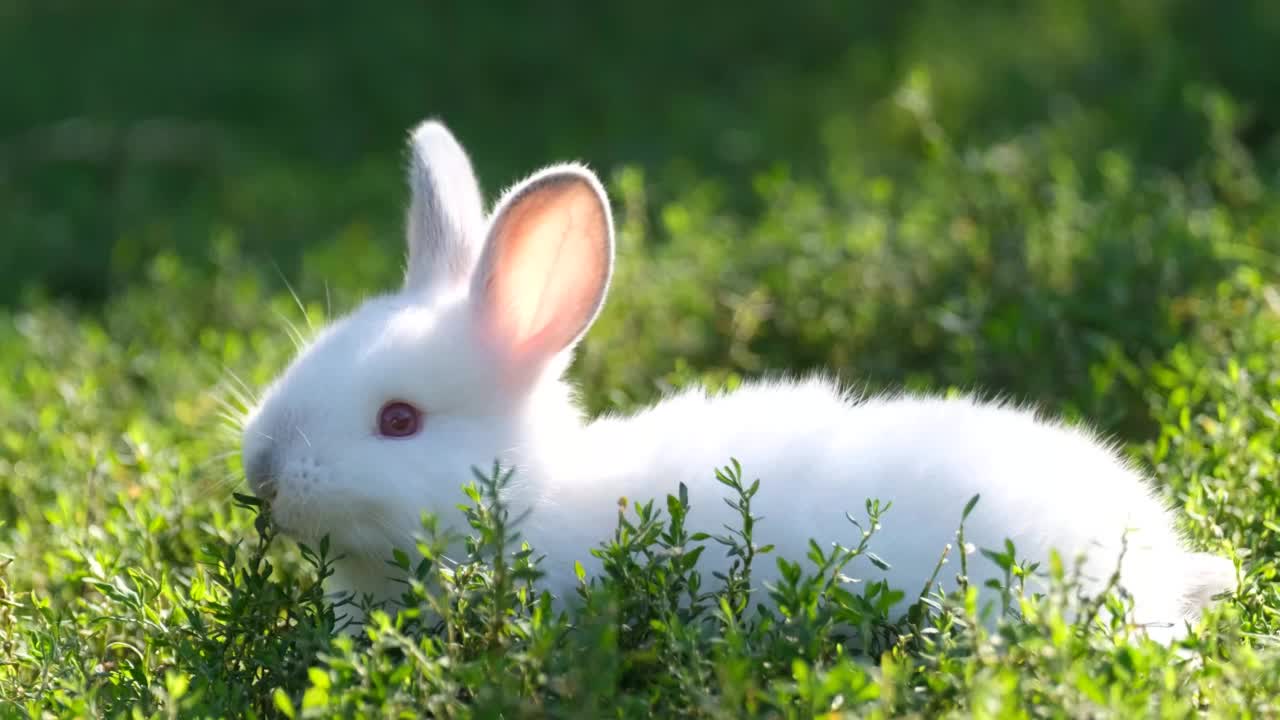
(285, 524)
(294, 518)
(349, 533)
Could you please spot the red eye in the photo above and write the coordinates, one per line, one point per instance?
(398, 419)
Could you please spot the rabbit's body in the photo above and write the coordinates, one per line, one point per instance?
(820, 453)
(385, 414)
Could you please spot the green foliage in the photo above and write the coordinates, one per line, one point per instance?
(134, 585)
(919, 196)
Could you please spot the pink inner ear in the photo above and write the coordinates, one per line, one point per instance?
(550, 266)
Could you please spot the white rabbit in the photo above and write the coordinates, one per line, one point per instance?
(385, 414)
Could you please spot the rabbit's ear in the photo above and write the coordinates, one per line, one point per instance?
(446, 215)
(546, 266)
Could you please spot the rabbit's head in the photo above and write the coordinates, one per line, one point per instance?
(387, 411)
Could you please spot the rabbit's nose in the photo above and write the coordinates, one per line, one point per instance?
(259, 469)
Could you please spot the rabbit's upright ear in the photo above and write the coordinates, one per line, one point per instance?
(546, 266)
(446, 216)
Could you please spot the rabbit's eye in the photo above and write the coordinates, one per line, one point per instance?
(398, 419)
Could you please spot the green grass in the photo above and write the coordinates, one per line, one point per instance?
(925, 197)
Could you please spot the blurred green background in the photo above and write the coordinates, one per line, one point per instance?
(1023, 197)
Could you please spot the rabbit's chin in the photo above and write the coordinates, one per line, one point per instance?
(350, 536)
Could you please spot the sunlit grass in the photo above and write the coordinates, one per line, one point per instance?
(133, 581)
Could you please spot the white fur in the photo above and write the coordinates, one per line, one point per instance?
(818, 452)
